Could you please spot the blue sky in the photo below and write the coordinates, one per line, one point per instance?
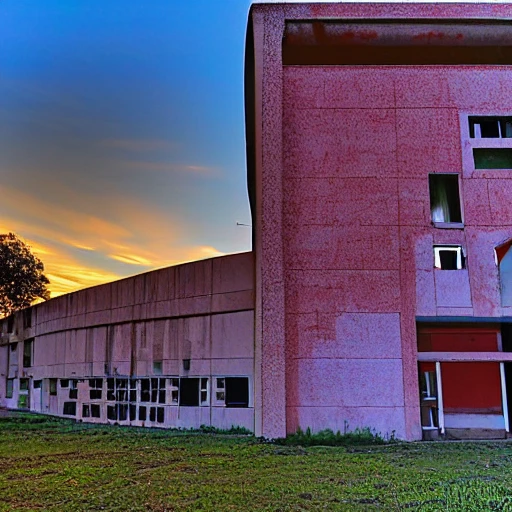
(122, 133)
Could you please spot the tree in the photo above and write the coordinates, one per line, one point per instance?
(21, 275)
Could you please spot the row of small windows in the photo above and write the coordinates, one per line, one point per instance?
(182, 391)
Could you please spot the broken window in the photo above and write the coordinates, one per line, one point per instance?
(232, 391)
(27, 353)
(157, 367)
(23, 384)
(175, 390)
(444, 198)
(69, 409)
(9, 388)
(153, 390)
(96, 388)
(27, 318)
(490, 127)
(73, 390)
(37, 384)
(53, 387)
(193, 391)
(111, 412)
(448, 257)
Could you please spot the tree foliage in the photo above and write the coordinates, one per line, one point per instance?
(21, 275)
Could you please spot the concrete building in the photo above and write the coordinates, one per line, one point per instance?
(378, 293)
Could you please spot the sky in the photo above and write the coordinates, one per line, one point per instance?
(122, 144)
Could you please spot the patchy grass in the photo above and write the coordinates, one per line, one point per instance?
(52, 464)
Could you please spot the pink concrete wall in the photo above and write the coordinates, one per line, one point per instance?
(357, 224)
(202, 311)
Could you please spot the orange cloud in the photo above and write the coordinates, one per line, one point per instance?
(139, 144)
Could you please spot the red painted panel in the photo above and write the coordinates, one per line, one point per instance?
(427, 367)
(471, 387)
(458, 340)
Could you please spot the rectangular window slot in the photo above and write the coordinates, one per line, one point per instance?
(142, 413)
(237, 392)
(157, 367)
(14, 347)
(175, 390)
(159, 414)
(23, 384)
(95, 391)
(448, 257)
(189, 392)
(122, 412)
(27, 353)
(53, 387)
(133, 412)
(490, 127)
(64, 383)
(492, 158)
(95, 411)
(112, 412)
(444, 198)
(69, 408)
(86, 411)
(9, 388)
(152, 416)
(37, 384)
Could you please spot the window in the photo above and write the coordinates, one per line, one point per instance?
(193, 392)
(23, 384)
(448, 257)
(232, 391)
(64, 383)
(175, 390)
(14, 347)
(53, 387)
(86, 411)
(157, 367)
(73, 390)
(487, 142)
(37, 384)
(9, 388)
(95, 389)
(95, 411)
(152, 390)
(444, 199)
(27, 353)
(27, 318)
(69, 409)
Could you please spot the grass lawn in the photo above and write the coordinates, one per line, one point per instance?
(49, 464)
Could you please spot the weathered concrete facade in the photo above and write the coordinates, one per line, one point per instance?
(361, 117)
(169, 348)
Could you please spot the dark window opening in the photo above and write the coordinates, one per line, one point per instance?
(96, 386)
(142, 413)
(160, 414)
(86, 412)
(133, 412)
(112, 412)
(122, 412)
(37, 384)
(27, 318)
(53, 387)
(492, 158)
(144, 390)
(237, 392)
(69, 408)
(23, 384)
(73, 394)
(95, 394)
(14, 347)
(64, 383)
(27, 353)
(444, 198)
(110, 389)
(157, 367)
(95, 411)
(9, 388)
(189, 392)
(152, 416)
(490, 127)
(449, 257)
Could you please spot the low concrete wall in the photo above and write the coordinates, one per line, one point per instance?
(135, 350)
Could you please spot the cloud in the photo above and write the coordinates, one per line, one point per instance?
(145, 165)
(141, 145)
(80, 249)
